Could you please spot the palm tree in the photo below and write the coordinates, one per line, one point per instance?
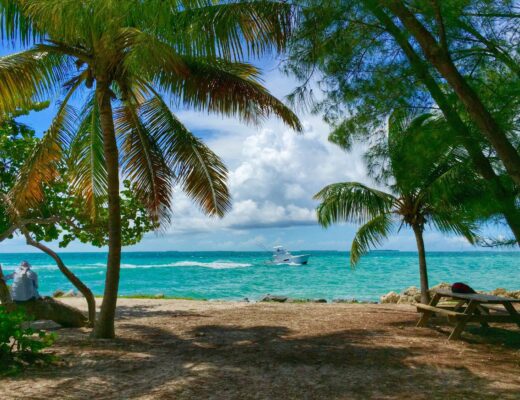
(418, 195)
(128, 56)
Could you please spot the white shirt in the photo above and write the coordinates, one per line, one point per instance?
(25, 284)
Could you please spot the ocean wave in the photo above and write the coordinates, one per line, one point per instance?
(213, 264)
(97, 266)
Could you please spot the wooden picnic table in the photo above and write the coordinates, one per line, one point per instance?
(481, 308)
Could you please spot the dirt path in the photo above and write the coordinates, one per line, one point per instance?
(174, 349)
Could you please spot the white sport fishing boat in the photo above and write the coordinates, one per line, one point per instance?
(282, 256)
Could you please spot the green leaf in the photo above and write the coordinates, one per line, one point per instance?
(351, 202)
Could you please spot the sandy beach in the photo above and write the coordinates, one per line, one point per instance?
(180, 349)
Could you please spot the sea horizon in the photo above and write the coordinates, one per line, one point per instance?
(232, 275)
(64, 251)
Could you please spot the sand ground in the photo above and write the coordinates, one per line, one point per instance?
(177, 349)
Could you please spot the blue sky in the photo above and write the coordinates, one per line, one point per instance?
(273, 175)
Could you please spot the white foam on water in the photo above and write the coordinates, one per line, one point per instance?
(96, 266)
(212, 265)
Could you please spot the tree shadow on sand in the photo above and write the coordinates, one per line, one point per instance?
(150, 311)
(260, 362)
(504, 335)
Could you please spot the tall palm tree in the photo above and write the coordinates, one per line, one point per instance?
(418, 194)
(128, 55)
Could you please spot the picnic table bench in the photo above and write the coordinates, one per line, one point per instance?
(481, 308)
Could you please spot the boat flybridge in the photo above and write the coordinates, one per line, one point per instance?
(282, 256)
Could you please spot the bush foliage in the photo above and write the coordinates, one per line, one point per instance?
(20, 345)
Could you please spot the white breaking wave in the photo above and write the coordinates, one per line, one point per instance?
(213, 265)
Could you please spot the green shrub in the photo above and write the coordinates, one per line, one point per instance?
(21, 345)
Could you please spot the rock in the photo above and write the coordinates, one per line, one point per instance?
(391, 297)
(515, 294)
(69, 293)
(319, 301)
(353, 301)
(159, 296)
(277, 299)
(245, 300)
(411, 291)
(440, 286)
(409, 299)
(46, 308)
(58, 293)
(499, 292)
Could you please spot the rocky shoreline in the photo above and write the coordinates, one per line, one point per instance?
(409, 295)
(412, 294)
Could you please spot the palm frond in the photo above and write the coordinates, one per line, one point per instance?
(69, 20)
(199, 171)
(86, 161)
(371, 234)
(233, 30)
(29, 76)
(14, 26)
(143, 163)
(453, 222)
(41, 166)
(141, 47)
(222, 87)
(351, 202)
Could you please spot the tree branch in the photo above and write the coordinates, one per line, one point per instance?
(83, 289)
(12, 229)
(440, 26)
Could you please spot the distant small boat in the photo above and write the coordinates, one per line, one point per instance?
(282, 256)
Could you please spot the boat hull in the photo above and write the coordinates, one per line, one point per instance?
(302, 260)
(292, 260)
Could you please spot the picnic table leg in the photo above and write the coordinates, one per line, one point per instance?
(427, 313)
(457, 331)
(479, 311)
(512, 311)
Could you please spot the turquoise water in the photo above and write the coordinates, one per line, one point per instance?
(235, 275)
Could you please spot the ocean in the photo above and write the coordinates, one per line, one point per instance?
(237, 275)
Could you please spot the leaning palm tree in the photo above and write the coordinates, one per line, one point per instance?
(133, 57)
(418, 195)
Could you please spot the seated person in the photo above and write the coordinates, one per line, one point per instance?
(25, 283)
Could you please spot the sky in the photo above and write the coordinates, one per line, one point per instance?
(273, 175)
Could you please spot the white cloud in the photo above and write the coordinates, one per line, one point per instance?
(273, 174)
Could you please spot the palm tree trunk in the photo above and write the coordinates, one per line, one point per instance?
(423, 272)
(105, 324)
(82, 288)
(441, 60)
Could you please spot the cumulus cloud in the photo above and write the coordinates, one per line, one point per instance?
(273, 175)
